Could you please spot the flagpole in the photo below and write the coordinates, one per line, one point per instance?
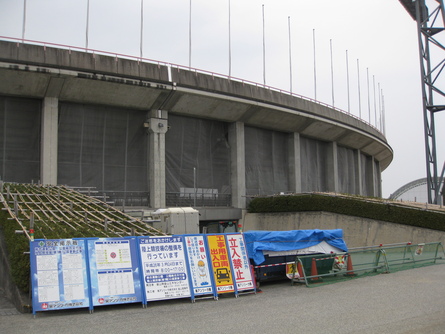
(380, 109)
(332, 74)
(375, 101)
(230, 47)
(142, 26)
(190, 35)
(347, 81)
(24, 21)
(315, 66)
(359, 96)
(88, 23)
(264, 50)
(369, 103)
(290, 55)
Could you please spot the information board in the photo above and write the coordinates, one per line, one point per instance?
(59, 276)
(242, 272)
(220, 260)
(164, 268)
(198, 261)
(114, 271)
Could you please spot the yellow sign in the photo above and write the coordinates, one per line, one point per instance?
(221, 263)
(290, 269)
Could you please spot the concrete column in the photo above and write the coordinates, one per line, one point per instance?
(378, 182)
(294, 163)
(157, 128)
(332, 172)
(376, 189)
(359, 173)
(49, 137)
(237, 164)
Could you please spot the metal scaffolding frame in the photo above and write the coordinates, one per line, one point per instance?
(430, 19)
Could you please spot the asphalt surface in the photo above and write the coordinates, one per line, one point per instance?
(410, 301)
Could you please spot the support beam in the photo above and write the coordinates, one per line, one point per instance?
(359, 173)
(430, 19)
(332, 170)
(294, 163)
(238, 164)
(157, 128)
(48, 159)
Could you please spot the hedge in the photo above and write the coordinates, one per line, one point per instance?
(351, 206)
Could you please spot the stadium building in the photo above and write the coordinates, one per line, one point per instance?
(157, 135)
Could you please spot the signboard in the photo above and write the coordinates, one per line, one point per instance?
(199, 265)
(242, 272)
(59, 276)
(88, 272)
(114, 271)
(164, 268)
(220, 263)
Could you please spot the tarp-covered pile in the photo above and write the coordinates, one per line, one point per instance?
(281, 241)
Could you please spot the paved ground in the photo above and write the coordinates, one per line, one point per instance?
(411, 301)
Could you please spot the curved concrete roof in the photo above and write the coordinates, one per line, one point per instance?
(38, 71)
(410, 185)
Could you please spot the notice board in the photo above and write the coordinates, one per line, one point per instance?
(59, 274)
(89, 272)
(200, 266)
(221, 264)
(242, 272)
(164, 268)
(114, 271)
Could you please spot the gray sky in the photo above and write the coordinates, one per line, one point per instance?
(379, 33)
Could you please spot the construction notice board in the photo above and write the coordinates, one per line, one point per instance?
(242, 272)
(114, 271)
(164, 268)
(200, 266)
(221, 264)
(90, 272)
(59, 274)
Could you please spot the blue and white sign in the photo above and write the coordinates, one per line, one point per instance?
(59, 276)
(164, 268)
(114, 271)
(198, 260)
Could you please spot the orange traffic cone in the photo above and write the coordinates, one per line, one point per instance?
(349, 268)
(314, 271)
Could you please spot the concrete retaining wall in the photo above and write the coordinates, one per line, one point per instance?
(357, 232)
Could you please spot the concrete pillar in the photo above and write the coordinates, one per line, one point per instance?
(157, 128)
(359, 173)
(294, 163)
(378, 182)
(49, 140)
(237, 164)
(374, 186)
(332, 162)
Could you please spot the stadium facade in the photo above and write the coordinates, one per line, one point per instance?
(157, 135)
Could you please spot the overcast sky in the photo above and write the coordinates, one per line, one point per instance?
(379, 36)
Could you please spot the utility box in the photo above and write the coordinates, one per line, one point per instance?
(178, 220)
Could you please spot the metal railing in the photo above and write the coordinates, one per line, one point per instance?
(126, 198)
(198, 200)
(330, 268)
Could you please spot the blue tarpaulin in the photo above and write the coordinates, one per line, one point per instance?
(259, 241)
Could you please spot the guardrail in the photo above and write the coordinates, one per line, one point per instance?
(198, 199)
(334, 267)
